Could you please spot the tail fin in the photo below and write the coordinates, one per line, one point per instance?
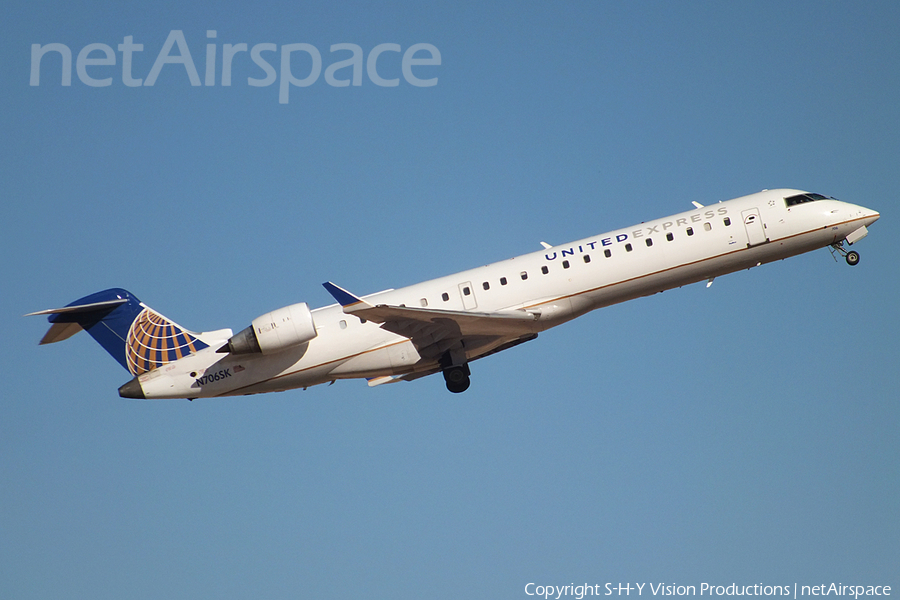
(138, 337)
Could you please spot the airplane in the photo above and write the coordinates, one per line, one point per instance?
(442, 325)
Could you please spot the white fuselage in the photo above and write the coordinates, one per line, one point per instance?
(555, 284)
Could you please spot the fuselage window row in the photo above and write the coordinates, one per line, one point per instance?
(707, 226)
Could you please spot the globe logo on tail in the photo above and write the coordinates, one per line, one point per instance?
(154, 341)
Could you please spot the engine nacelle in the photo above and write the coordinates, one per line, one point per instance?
(275, 331)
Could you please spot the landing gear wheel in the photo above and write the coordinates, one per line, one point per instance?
(852, 257)
(457, 379)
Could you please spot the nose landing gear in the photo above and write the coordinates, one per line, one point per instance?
(851, 256)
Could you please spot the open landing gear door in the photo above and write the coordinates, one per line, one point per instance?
(857, 235)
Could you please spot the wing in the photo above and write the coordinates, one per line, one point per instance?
(435, 332)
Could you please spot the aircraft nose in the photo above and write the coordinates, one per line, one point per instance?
(870, 216)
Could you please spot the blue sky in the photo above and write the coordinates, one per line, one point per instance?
(744, 433)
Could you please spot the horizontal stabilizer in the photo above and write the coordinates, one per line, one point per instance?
(64, 329)
(81, 308)
(59, 332)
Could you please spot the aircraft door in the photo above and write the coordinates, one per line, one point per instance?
(754, 226)
(467, 293)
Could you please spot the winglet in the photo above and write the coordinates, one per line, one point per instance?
(344, 298)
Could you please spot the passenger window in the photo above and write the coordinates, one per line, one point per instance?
(690, 231)
(628, 248)
(607, 253)
(545, 270)
(670, 236)
(587, 258)
(727, 221)
(467, 291)
(445, 296)
(707, 226)
(503, 281)
(523, 275)
(423, 302)
(486, 285)
(649, 242)
(565, 264)
(343, 324)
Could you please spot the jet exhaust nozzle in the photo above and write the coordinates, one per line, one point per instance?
(244, 342)
(273, 332)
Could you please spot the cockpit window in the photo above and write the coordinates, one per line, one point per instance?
(801, 198)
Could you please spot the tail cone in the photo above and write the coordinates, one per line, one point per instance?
(132, 389)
